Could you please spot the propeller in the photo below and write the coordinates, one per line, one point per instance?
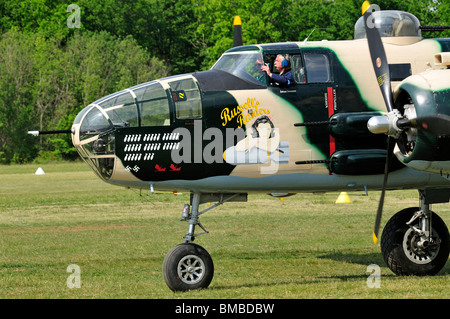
(237, 31)
(381, 68)
(392, 124)
(390, 149)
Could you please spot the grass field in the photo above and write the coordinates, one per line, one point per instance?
(304, 247)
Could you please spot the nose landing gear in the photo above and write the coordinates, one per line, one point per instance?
(189, 266)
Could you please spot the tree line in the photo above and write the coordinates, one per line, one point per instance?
(57, 56)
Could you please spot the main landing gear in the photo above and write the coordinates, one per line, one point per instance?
(416, 241)
(189, 266)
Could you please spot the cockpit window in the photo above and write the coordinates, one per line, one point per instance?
(317, 68)
(298, 71)
(122, 110)
(187, 99)
(246, 65)
(143, 105)
(153, 105)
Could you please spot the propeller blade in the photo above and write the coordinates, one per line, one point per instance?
(378, 56)
(390, 151)
(381, 68)
(237, 32)
(436, 124)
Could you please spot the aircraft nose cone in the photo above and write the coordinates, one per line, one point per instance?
(94, 140)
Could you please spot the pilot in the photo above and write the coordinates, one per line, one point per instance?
(282, 65)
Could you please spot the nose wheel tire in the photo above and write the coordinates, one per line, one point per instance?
(187, 267)
(403, 251)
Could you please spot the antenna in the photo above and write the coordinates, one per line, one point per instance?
(306, 39)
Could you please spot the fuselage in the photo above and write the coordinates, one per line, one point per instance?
(232, 129)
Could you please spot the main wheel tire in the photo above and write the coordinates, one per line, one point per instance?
(403, 257)
(187, 267)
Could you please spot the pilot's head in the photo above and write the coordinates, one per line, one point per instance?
(282, 62)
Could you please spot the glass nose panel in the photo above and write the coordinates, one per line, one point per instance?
(122, 110)
(93, 124)
(97, 142)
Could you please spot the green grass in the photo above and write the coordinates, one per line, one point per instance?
(304, 247)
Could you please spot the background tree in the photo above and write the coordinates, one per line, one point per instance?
(16, 96)
(49, 72)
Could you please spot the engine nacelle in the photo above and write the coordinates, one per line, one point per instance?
(424, 94)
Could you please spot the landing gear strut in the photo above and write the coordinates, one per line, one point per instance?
(415, 241)
(189, 266)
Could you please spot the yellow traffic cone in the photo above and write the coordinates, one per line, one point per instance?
(343, 199)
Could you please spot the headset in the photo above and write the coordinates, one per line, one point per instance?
(285, 62)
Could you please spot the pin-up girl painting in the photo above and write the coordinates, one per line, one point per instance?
(261, 145)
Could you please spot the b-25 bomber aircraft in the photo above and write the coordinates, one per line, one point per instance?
(365, 114)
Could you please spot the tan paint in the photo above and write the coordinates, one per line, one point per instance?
(283, 115)
(355, 57)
